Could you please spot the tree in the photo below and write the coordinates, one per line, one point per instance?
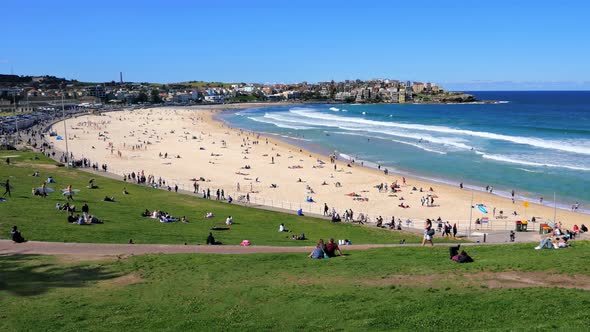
(155, 97)
(142, 97)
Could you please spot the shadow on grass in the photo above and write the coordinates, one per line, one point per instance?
(30, 275)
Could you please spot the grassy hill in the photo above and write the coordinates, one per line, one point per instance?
(39, 220)
(508, 287)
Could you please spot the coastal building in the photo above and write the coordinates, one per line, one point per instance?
(402, 96)
(6, 106)
(291, 95)
(393, 95)
(181, 98)
(214, 99)
(96, 91)
(418, 87)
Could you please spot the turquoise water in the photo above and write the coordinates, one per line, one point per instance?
(536, 143)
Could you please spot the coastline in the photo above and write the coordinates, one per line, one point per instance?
(371, 165)
(452, 202)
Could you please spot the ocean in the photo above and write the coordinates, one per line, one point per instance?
(536, 143)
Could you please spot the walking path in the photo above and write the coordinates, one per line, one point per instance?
(103, 249)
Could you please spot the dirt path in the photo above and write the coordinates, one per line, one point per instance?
(103, 249)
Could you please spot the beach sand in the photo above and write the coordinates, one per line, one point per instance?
(131, 141)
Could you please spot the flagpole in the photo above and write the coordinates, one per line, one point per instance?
(554, 208)
(470, 214)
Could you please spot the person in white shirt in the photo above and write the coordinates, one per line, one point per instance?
(229, 220)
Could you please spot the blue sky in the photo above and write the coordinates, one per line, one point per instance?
(459, 44)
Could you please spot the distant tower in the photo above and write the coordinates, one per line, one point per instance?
(121, 77)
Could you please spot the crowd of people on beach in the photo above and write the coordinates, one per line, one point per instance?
(139, 177)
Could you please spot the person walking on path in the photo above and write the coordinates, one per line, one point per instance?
(428, 233)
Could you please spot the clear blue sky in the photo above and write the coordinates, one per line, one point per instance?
(459, 44)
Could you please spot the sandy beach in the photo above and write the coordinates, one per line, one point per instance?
(181, 144)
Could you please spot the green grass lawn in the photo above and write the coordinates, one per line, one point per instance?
(39, 220)
(382, 289)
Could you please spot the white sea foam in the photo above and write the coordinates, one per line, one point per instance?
(419, 146)
(529, 170)
(573, 146)
(345, 156)
(511, 160)
(334, 109)
(280, 125)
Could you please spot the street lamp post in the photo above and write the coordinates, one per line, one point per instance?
(15, 117)
(63, 108)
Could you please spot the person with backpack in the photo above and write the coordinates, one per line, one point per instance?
(428, 233)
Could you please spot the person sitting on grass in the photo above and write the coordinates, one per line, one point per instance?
(125, 192)
(109, 199)
(229, 221)
(146, 213)
(282, 228)
(16, 236)
(318, 252)
(68, 207)
(183, 219)
(71, 218)
(463, 257)
(336, 217)
(209, 215)
(80, 220)
(332, 248)
(379, 222)
(211, 240)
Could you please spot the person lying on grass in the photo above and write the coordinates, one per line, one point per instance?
(552, 243)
